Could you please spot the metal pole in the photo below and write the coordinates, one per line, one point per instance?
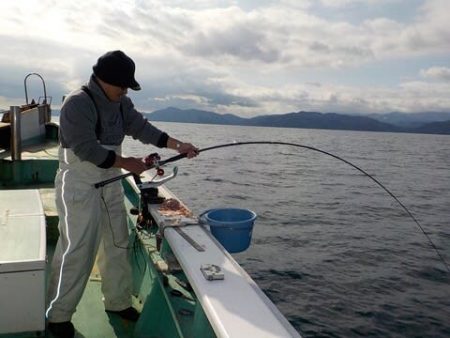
(16, 135)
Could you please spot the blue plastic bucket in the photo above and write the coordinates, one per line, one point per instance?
(232, 227)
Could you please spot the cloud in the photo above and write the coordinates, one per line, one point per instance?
(346, 3)
(247, 57)
(436, 73)
(238, 41)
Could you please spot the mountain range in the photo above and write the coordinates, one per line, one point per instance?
(427, 122)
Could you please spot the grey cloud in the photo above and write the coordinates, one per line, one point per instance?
(55, 62)
(210, 100)
(320, 47)
(343, 53)
(436, 73)
(222, 98)
(271, 37)
(188, 91)
(147, 26)
(238, 41)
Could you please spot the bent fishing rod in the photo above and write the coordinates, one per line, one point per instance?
(158, 163)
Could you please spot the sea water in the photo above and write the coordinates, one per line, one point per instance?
(335, 253)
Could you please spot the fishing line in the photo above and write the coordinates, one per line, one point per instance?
(135, 242)
(111, 228)
(234, 144)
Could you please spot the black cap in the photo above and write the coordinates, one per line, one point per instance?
(117, 69)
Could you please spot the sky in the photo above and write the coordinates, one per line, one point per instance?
(247, 58)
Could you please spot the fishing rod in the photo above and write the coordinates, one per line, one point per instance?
(158, 163)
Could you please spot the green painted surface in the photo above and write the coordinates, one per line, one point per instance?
(27, 172)
(91, 320)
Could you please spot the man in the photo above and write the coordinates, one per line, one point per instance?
(93, 123)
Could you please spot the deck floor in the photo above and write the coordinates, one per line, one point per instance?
(90, 319)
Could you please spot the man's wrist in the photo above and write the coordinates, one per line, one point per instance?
(174, 144)
(110, 160)
(118, 163)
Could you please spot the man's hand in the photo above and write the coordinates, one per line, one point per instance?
(189, 149)
(132, 164)
(183, 148)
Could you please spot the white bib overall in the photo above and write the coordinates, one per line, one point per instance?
(90, 220)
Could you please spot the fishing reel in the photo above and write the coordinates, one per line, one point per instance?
(152, 161)
(149, 189)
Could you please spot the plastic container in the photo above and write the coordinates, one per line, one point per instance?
(232, 227)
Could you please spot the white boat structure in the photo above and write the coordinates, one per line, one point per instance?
(186, 284)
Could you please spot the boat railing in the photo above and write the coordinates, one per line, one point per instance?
(43, 101)
(44, 98)
(233, 305)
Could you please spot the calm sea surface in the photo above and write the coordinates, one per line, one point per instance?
(333, 251)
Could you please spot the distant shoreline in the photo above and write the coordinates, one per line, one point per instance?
(421, 123)
(415, 123)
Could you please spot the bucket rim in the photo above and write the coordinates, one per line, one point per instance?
(253, 214)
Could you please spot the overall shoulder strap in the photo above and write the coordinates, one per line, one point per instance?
(98, 125)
